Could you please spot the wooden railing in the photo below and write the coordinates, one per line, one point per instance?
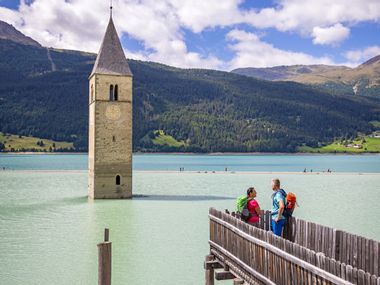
(308, 253)
(348, 248)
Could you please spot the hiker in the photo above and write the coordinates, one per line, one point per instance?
(248, 207)
(278, 207)
(253, 206)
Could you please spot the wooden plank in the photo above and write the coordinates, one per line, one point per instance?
(238, 281)
(343, 271)
(341, 247)
(262, 219)
(304, 231)
(367, 278)
(361, 277)
(354, 275)
(331, 243)
(318, 246)
(376, 257)
(337, 268)
(354, 250)
(363, 253)
(359, 253)
(343, 257)
(374, 280)
(337, 234)
(371, 257)
(224, 275)
(349, 273)
(367, 253)
(213, 264)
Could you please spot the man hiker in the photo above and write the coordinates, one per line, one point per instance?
(278, 206)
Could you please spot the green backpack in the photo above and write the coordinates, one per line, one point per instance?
(241, 202)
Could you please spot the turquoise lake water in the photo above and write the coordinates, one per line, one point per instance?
(265, 162)
(49, 229)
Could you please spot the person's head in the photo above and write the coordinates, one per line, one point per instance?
(251, 192)
(275, 184)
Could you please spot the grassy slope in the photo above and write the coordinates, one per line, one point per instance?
(376, 124)
(164, 139)
(371, 145)
(30, 143)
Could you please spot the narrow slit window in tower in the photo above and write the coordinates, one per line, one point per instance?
(111, 93)
(116, 93)
(118, 179)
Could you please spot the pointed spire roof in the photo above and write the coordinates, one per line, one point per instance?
(111, 59)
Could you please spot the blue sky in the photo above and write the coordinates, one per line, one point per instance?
(218, 34)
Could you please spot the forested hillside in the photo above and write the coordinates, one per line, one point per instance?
(208, 110)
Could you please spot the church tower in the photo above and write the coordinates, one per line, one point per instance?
(110, 121)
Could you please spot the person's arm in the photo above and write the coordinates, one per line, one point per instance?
(280, 210)
(257, 209)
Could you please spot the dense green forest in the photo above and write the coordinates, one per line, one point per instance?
(210, 110)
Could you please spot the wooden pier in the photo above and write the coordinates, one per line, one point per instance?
(307, 253)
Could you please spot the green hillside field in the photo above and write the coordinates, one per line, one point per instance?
(368, 145)
(17, 143)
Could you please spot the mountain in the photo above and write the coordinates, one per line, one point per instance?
(8, 32)
(44, 93)
(362, 80)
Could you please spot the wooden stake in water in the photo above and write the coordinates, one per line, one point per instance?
(104, 260)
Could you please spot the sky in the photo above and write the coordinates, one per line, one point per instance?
(215, 34)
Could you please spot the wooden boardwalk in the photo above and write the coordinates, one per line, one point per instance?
(308, 253)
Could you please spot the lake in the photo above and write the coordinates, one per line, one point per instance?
(49, 229)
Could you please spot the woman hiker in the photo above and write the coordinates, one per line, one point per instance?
(253, 206)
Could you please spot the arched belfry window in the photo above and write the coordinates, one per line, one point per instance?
(118, 179)
(111, 93)
(116, 93)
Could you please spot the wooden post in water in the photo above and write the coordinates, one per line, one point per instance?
(209, 272)
(104, 260)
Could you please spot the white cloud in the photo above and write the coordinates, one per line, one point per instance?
(159, 26)
(73, 25)
(356, 57)
(252, 52)
(8, 15)
(331, 35)
(198, 15)
(303, 15)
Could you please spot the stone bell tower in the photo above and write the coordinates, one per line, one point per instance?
(110, 121)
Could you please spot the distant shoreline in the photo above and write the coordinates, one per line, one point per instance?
(200, 153)
(196, 172)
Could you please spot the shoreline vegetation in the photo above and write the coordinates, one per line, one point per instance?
(18, 144)
(191, 153)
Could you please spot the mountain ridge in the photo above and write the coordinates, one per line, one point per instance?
(208, 110)
(8, 32)
(361, 80)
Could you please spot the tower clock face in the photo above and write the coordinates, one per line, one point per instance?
(113, 112)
